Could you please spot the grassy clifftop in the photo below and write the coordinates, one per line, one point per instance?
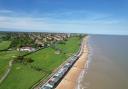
(23, 76)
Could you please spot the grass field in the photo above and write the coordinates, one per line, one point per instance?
(5, 57)
(24, 76)
(4, 44)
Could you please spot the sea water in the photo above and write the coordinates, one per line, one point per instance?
(108, 63)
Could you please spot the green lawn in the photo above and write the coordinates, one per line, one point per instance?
(5, 57)
(24, 76)
(4, 44)
(21, 77)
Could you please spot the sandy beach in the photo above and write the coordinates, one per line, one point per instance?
(70, 81)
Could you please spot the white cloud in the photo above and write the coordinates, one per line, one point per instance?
(94, 23)
(6, 11)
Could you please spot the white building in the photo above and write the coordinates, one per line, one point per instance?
(28, 49)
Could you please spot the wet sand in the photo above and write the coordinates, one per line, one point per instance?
(70, 81)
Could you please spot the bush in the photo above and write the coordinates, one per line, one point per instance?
(21, 59)
(29, 60)
(61, 42)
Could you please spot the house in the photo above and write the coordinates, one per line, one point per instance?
(28, 49)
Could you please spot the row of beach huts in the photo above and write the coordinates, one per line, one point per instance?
(57, 77)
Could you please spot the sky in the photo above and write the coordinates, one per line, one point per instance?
(74, 16)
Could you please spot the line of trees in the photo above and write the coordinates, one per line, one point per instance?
(22, 59)
(20, 39)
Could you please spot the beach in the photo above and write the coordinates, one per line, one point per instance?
(71, 79)
(108, 63)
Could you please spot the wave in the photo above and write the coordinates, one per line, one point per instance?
(82, 74)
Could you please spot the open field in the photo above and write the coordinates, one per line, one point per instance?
(23, 76)
(4, 44)
(5, 57)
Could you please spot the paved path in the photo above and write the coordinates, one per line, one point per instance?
(7, 71)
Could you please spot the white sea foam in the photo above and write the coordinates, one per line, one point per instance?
(82, 74)
(84, 71)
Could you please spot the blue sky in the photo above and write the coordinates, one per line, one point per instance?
(80, 16)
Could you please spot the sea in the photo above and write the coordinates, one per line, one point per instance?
(107, 66)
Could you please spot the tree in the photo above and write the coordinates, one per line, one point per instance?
(19, 59)
(29, 60)
(61, 42)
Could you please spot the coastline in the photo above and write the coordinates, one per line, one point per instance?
(72, 78)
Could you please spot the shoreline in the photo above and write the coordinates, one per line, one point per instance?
(72, 78)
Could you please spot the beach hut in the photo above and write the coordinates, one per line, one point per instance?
(46, 87)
